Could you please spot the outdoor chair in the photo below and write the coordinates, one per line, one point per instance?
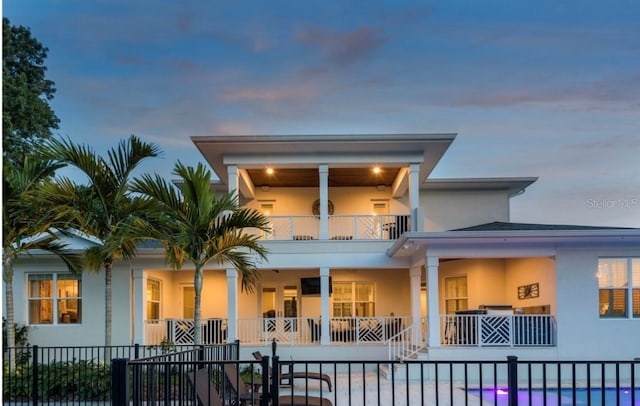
(205, 390)
(246, 397)
(287, 378)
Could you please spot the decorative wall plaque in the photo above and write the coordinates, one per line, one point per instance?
(529, 291)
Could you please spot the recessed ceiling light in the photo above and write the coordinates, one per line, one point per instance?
(376, 170)
(269, 171)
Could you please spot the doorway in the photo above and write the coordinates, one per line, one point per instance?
(280, 309)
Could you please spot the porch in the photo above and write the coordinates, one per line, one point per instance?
(341, 227)
(477, 330)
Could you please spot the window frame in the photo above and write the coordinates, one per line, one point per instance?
(630, 286)
(353, 304)
(149, 300)
(55, 298)
(457, 297)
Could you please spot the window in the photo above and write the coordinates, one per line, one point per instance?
(350, 296)
(153, 299)
(455, 294)
(619, 287)
(55, 299)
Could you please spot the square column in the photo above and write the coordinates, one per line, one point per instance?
(232, 305)
(415, 273)
(414, 196)
(324, 306)
(139, 305)
(233, 180)
(323, 172)
(433, 302)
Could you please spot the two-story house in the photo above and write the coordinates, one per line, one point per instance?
(368, 256)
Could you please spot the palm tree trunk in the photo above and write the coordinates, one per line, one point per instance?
(197, 287)
(7, 276)
(107, 303)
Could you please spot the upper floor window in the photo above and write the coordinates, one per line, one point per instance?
(619, 287)
(153, 299)
(455, 294)
(354, 299)
(55, 298)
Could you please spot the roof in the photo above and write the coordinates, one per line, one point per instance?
(348, 156)
(505, 226)
(512, 185)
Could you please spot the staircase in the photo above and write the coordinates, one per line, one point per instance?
(402, 347)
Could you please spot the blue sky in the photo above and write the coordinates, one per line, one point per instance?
(533, 88)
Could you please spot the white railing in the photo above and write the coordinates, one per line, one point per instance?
(181, 331)
(487, 330)
(303, 330)
(407, 342)
(357, 227)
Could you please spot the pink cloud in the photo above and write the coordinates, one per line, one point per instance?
(343, 48)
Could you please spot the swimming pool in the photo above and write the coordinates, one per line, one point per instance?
(566, 396)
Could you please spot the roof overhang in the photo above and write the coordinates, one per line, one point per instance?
(512, 185)
(411, 243)
(337, 151)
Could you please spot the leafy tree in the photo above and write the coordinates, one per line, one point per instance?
(104, 208)
(198, 226)
(28, 224)
(26, 114)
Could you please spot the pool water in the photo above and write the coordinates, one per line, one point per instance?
(566, 396)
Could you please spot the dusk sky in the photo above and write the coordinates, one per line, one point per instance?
(533, 88)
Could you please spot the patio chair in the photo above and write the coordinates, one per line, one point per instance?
(288, 377)
(247, 398)
(205, 390)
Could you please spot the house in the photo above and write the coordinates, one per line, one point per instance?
(368, 257)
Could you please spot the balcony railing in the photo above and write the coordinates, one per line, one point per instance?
(357, 227)
(487, 330)
(285, 330)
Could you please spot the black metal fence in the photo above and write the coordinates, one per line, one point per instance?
(507, 382)
(79, 375)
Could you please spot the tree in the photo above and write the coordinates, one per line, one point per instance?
(104, 208)
(27, 224)
(26, 114)
(198, 226)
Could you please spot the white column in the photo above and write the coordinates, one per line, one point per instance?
(323, 172)
(414, 275)
(233, 180)
(139, 305)
(232, 305)
(414, 196)
(324, 306)
(433, 301)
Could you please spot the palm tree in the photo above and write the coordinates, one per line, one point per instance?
(28, 225)
(198, 226)
(104, 208)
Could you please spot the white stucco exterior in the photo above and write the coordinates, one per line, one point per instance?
(382, 232)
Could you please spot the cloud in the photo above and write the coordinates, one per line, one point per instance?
(343, 48)
(303, 92)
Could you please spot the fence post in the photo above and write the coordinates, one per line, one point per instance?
(34, 382)
(275, 380)
(264, 401)
(136, 351)
(512, 380)
(119, 381)
(201, 353)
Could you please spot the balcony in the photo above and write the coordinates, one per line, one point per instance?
(356, 227)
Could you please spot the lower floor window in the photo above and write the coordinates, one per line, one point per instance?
(354, 297)
(619, 287)
(55, 298)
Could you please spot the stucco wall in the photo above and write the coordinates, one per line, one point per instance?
(580, 328)
(485, 280)
(447, 210)
(525, 271)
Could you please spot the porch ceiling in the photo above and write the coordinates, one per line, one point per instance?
(308, 177)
